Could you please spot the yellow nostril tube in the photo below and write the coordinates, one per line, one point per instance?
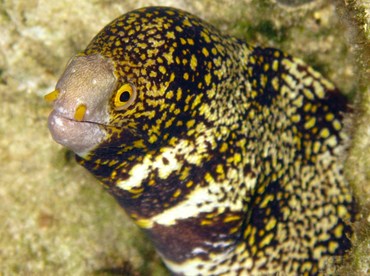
(52, 96)
(80, 112)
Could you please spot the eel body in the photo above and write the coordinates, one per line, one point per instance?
(228, 156)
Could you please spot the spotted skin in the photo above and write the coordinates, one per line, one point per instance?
(230, 156)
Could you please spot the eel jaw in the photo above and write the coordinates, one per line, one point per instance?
(79, 136)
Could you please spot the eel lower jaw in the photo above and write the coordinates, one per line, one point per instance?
(79, 136)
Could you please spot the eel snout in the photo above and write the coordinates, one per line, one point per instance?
(80, 103)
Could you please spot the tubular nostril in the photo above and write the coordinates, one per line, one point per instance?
(52, 96)
(80, 112)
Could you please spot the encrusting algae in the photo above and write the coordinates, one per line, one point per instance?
(228, 156)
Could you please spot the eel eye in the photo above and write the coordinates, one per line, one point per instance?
(125, 96)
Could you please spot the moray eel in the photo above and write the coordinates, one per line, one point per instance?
(228, 156)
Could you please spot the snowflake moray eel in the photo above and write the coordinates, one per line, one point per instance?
(228, 156)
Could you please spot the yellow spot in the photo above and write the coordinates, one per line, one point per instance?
(237, 158)
(144, 223)
(266, 240)
(296, 118)
(318, 251)
(310, 123)
(52, 96)
(177, 193)
(307, 107)
(234, 230)
(329, 117)
(275, 83)
(266, 67)
(263, 80)
(207, 78)
(316, 147)
(254, 250)
(80, 112)
(337, 125)
(136, 191)
(169, 123)
(193, 62)
(184, 61)
(169, 95)
(190, 41)
(143, 71)
(197, 101)
(189, 184)
(319, 90)
(271, 224)
(308, 94)
(142, 45)
(306, 267)
(208, 177)
(183, 41)
(162, 69)
(314, 108)
(170, 35)
(186, 76)
(170, 12)
(179, 94)
(139, 144)
(153, 139)
(333, 246)
(210, 215)
(112, 162)
(205, 36)
(190, 123)
(220, 169)
(324, 133)
(266, 200)
(231, 218)
(134, 216)
(205, 222)
(205, 52)
(169, 56)
(275, 65)
(172, 77)
(332, 141)
(223, 147)
(251, 239)
(186, 22)
(342, 211)
(247, 231)
(338, 231)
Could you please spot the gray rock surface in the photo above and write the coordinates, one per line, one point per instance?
(55, 218)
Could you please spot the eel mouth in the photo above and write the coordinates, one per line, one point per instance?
(80, 136)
